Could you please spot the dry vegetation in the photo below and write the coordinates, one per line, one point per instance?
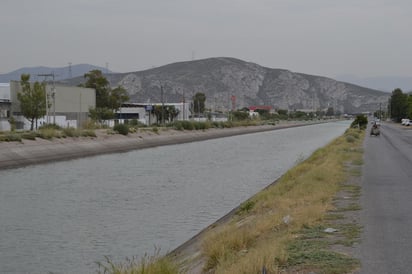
(282, 228)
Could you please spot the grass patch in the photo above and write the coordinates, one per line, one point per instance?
(71, 132)
(10, 137)
(282, 227)
(48, 133)
(351, 207)
(357, 162)
(314, 255)
(350, 232)
(30, 135)
(147, 265)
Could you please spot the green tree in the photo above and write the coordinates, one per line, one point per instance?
(172, 113)
(361, 121)
(398, 104)
(32, 100)
(96, 80)
(240, 115)
(101, 114)
(330, 111)
(410, 106)
(117, 97)
(169, 112)
(199, 102)
(107, 100)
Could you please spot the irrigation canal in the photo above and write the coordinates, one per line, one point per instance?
(63, 217)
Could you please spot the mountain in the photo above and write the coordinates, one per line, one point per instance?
(221, 78)
(385, 83)
(251, 84)
(60, 73)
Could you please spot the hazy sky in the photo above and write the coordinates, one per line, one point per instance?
(321, 37)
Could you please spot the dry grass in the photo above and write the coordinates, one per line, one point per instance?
(269, 233)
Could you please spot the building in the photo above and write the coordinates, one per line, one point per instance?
(5, 106)
(142, 112)
(68, 106)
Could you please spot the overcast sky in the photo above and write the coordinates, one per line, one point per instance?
(321, 37)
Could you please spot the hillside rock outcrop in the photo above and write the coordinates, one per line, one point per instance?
(251, 84)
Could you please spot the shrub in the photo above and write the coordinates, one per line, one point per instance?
(49, 126)
(178, 125)
(121, 129)
(360, 122)
(31, 135)
(12, 137)
(47, 133)
(71, 132)
(88, 133)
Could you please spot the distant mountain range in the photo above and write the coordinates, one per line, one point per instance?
(380, 83)
(60, 73)
(222, 79)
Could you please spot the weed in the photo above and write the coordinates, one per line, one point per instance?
(71, 132)
(246, 207)
(147, 265)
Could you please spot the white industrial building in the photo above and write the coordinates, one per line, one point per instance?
(142, 112)
(69, 106)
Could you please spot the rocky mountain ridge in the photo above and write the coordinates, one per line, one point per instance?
(222, 79)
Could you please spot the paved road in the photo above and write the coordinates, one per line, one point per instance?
(386, 244)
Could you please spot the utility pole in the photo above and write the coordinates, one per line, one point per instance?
(380, 111)
(53, 89)
(163, 105)
(184, 105)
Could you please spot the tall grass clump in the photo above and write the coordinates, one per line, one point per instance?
(70, 132)
(29, 135)
(88, 133)
(273, 227)
(48, 133)
(146, 265)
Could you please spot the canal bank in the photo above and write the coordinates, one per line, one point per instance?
(319, 196)
(29, 152)
(61, 217)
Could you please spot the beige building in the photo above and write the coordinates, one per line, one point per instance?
(68, 106)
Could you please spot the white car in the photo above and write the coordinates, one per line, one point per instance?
(405, 121)
(408, 123)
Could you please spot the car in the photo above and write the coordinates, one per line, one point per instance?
(405, 121)
(408, 123)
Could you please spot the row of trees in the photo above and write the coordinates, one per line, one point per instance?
(400, 105)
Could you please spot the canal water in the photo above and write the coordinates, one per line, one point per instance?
(64, 217)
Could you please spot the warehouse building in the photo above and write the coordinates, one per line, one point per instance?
(68, 106)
